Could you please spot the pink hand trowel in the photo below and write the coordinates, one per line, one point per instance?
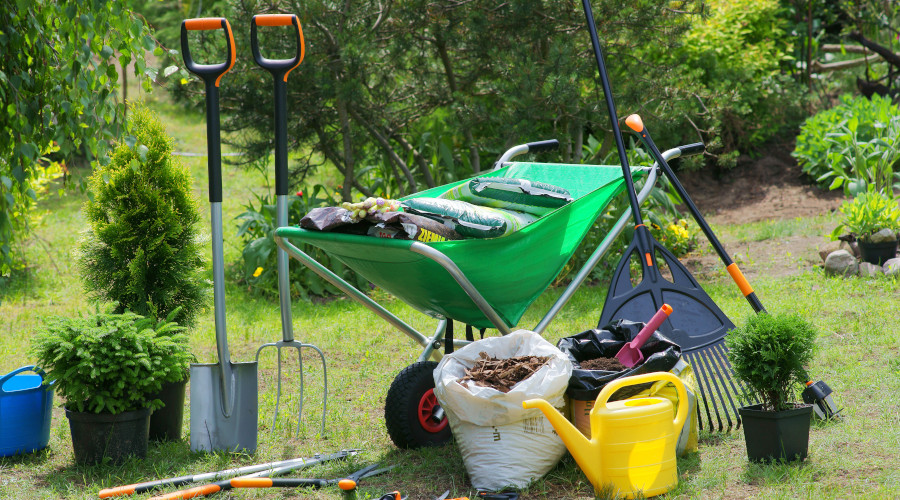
(630, 354)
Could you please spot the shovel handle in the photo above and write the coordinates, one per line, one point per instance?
(207, 71)
(280, 68)
(651, 326)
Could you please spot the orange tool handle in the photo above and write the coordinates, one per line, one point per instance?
(208, 71)
(273, 19)
(199, 491)
(739, 279)
(205, 23)
(118, 491)
(251, 482)
(280, 68)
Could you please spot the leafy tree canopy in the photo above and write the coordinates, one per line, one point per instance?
(58, 84)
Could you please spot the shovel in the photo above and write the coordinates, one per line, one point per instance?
(223, 395)
(630, 354)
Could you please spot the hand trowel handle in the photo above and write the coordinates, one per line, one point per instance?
(651, 326)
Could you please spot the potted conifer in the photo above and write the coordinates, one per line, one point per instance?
(143, 250)
(768, 354)
(107, 367)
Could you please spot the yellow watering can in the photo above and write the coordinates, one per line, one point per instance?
(633, 443)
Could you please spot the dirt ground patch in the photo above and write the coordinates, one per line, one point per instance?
(771, 187)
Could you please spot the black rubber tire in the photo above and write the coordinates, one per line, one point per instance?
(401, 408)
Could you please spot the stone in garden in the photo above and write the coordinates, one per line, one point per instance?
(834, 246)
(869, 270)
(892, 267)
(883, 236)
(841, 263)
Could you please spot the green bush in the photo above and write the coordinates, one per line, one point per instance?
(768, 354)
(742, 53)
(111, 363)
(142, 250)
(258, 267)
(852, 145)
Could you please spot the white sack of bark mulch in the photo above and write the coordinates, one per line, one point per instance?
(501, 443)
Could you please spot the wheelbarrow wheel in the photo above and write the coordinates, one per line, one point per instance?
(411, 406)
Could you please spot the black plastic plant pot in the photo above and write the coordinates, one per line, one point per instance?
(99, 435)
(877, 253)
(165, 423)
(776, 435)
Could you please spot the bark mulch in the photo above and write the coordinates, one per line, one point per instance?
(502, 374)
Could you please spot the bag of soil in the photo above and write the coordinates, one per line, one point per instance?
(404, 226)
(397, 225)
(501, 443)
(534, 198)
(660, 355)
(470, 221)
(595, 348)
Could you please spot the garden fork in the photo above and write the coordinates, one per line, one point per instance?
(280, 68)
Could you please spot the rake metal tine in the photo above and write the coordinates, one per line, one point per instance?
(702, 368)
(719, 383)
(721, 376)
(721, 354)
(701, 385)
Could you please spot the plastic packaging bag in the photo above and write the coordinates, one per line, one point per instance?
(522, 195)
(471, 221)
(501, 443)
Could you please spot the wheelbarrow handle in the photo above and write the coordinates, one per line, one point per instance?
(207, 71)
(280, 68)
(539, 146)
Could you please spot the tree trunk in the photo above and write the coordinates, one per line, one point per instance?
(348, 150)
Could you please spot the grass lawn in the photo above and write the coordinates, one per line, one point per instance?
(858, 356)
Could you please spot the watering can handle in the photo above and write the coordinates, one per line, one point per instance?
(29, 368)
(680, 412)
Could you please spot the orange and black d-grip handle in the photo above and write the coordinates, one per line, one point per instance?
(280, 68)
(635, 123)
(207, 71)
(211, 75)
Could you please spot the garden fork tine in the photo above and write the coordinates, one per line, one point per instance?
(280, 68)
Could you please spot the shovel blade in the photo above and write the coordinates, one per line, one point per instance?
(211, 429)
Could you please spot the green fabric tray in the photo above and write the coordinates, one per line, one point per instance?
(510, 271)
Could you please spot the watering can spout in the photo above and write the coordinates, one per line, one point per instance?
(584, 450)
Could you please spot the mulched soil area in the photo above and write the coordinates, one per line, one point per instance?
(608, 364)
(502, 374)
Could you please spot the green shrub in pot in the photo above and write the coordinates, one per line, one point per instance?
(768, 355)
(106, 367)
(867, 214)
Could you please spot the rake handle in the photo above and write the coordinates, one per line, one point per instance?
(635, 123)
(613, 118)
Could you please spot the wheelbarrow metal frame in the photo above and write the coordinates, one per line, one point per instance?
(433, 343)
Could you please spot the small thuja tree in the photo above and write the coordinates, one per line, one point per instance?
(142, 249)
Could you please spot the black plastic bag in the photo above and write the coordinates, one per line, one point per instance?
(660, 355)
